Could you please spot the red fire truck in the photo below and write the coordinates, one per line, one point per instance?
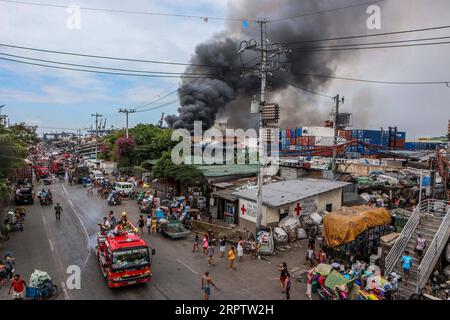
(41, 171)
(124, 257)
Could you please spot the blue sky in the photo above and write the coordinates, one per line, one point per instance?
(58, 98)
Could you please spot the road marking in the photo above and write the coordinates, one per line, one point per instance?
(78, 216)
(52, 247)
(66, 294)
(189, 268)
(44, 221)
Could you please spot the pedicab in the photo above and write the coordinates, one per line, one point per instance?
(15, 220)
(41, 286)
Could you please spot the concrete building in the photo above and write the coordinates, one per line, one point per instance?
(292, 197)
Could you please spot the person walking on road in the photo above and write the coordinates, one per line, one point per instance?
(283, 274)
(210, 255)
(240, 249)
(406, 265)
(232, 257)
(310, 255)
(196, 248)
(141, 223)
(287, 286)
(18, 286)
(206, 285)
(154, 226)
(148, 224)
(58, 210)
(9, 266)
(253, 251)
(223, 246)
(205, 244)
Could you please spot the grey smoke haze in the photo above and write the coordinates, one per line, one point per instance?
(228, 95)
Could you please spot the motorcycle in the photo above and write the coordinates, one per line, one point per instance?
(114, 199)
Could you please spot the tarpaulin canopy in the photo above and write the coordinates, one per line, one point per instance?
(345, 225)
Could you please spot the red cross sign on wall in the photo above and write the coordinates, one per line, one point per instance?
(243, 210)
(298, 209)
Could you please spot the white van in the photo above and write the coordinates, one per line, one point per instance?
(125, 187)
(97, 175)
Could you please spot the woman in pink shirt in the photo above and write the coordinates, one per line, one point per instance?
(205, 244)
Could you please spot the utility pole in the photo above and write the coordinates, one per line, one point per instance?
(336, 128)
(264, 49)
(96, 115)
(127, 112)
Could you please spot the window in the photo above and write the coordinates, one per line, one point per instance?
(329, 207)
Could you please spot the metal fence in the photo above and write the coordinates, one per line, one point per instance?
(403, 239)
(433, 252)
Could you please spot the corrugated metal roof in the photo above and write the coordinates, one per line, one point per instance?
(228, 170)
(285, 192)
(226, 194)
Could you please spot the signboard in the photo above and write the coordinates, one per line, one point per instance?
(247, 210)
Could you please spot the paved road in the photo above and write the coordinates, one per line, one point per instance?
(53, 246)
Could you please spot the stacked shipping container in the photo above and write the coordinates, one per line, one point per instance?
(375, 137)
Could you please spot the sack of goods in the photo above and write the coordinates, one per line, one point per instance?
(289, 223)
(280, 236)
(38, 278)
(301, 234)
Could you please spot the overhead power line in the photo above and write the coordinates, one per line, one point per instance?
(324, 11)
(158, 99)
(374, 43)
(368, 35)
(375, 81)
(115, 58)
(303, 89)
(162, 14)
(160, 106)
(106, 72)
(373, 47)
(105, 68)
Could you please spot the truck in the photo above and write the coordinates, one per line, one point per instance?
(23, 176)
(81, 171)
(24, 172)
(41, 171)
(124, 257)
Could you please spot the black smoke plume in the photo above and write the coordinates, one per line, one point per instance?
(227, 94)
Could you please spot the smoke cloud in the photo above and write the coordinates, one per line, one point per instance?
(226, 94)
